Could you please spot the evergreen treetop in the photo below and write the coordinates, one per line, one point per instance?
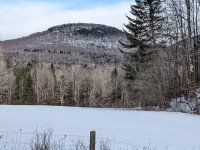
(143, 35)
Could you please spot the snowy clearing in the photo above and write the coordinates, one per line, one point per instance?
(162, 130)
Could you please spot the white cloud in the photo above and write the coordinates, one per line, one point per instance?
(22, 19)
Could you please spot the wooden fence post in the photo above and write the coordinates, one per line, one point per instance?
(92, 140)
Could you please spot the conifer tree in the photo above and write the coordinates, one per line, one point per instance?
(143, 35)
(24, 91)
(116, 88)
(28, 95)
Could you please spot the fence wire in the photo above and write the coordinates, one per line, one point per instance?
(49, 141)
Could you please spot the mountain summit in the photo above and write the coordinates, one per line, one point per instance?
(68, 44)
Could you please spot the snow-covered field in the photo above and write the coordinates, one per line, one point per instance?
(162, 130)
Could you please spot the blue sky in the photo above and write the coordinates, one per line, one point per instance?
(23, 17)
(72, 4)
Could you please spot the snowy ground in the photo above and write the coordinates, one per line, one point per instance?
(162, 130)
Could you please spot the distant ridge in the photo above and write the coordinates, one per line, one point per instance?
(74, 43)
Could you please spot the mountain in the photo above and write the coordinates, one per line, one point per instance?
(68, 44)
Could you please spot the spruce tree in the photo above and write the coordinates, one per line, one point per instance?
(116, 93)
(143, 35)
(155, 20)
(24, 91)
(28, 95)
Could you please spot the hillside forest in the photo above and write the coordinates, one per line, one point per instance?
(161, 61)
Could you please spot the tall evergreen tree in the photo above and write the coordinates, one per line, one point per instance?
(28, 95)
(143, 35)
(155, 21)
(24, 91)
(116, 93)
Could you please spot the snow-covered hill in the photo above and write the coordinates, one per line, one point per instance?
(68, 44)
(162, 130)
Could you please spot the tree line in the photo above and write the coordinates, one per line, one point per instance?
(161, 62)
(78, 85)
(37, 83)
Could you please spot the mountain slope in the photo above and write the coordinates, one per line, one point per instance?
(68, 44)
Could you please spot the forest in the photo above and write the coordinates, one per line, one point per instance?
(161, 62)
